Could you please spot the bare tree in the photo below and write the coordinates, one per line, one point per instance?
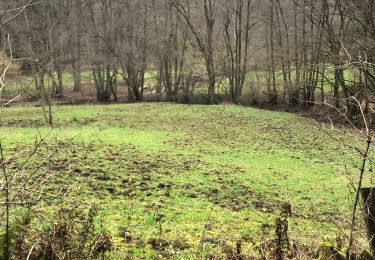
(204, 40)
(237, 44)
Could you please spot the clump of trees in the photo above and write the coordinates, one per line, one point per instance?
(295, 52)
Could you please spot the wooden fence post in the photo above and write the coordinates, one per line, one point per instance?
(368, 196)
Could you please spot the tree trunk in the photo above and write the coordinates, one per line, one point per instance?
(294, 98)
(77, 59)
(273, 97)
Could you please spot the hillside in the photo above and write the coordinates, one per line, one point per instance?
(166, 177)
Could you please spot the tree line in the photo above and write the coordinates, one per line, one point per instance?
(290, 51)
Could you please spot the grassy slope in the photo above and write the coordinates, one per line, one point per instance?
(183, 167)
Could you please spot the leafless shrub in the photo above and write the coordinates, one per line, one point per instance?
(357, 145)
(70, 235)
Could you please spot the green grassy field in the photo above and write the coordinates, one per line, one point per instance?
(178, 173)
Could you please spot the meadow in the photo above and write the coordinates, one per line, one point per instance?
(179, 181)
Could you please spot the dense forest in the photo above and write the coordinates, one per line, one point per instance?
(136, 129)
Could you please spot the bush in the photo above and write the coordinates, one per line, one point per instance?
(71, 235)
